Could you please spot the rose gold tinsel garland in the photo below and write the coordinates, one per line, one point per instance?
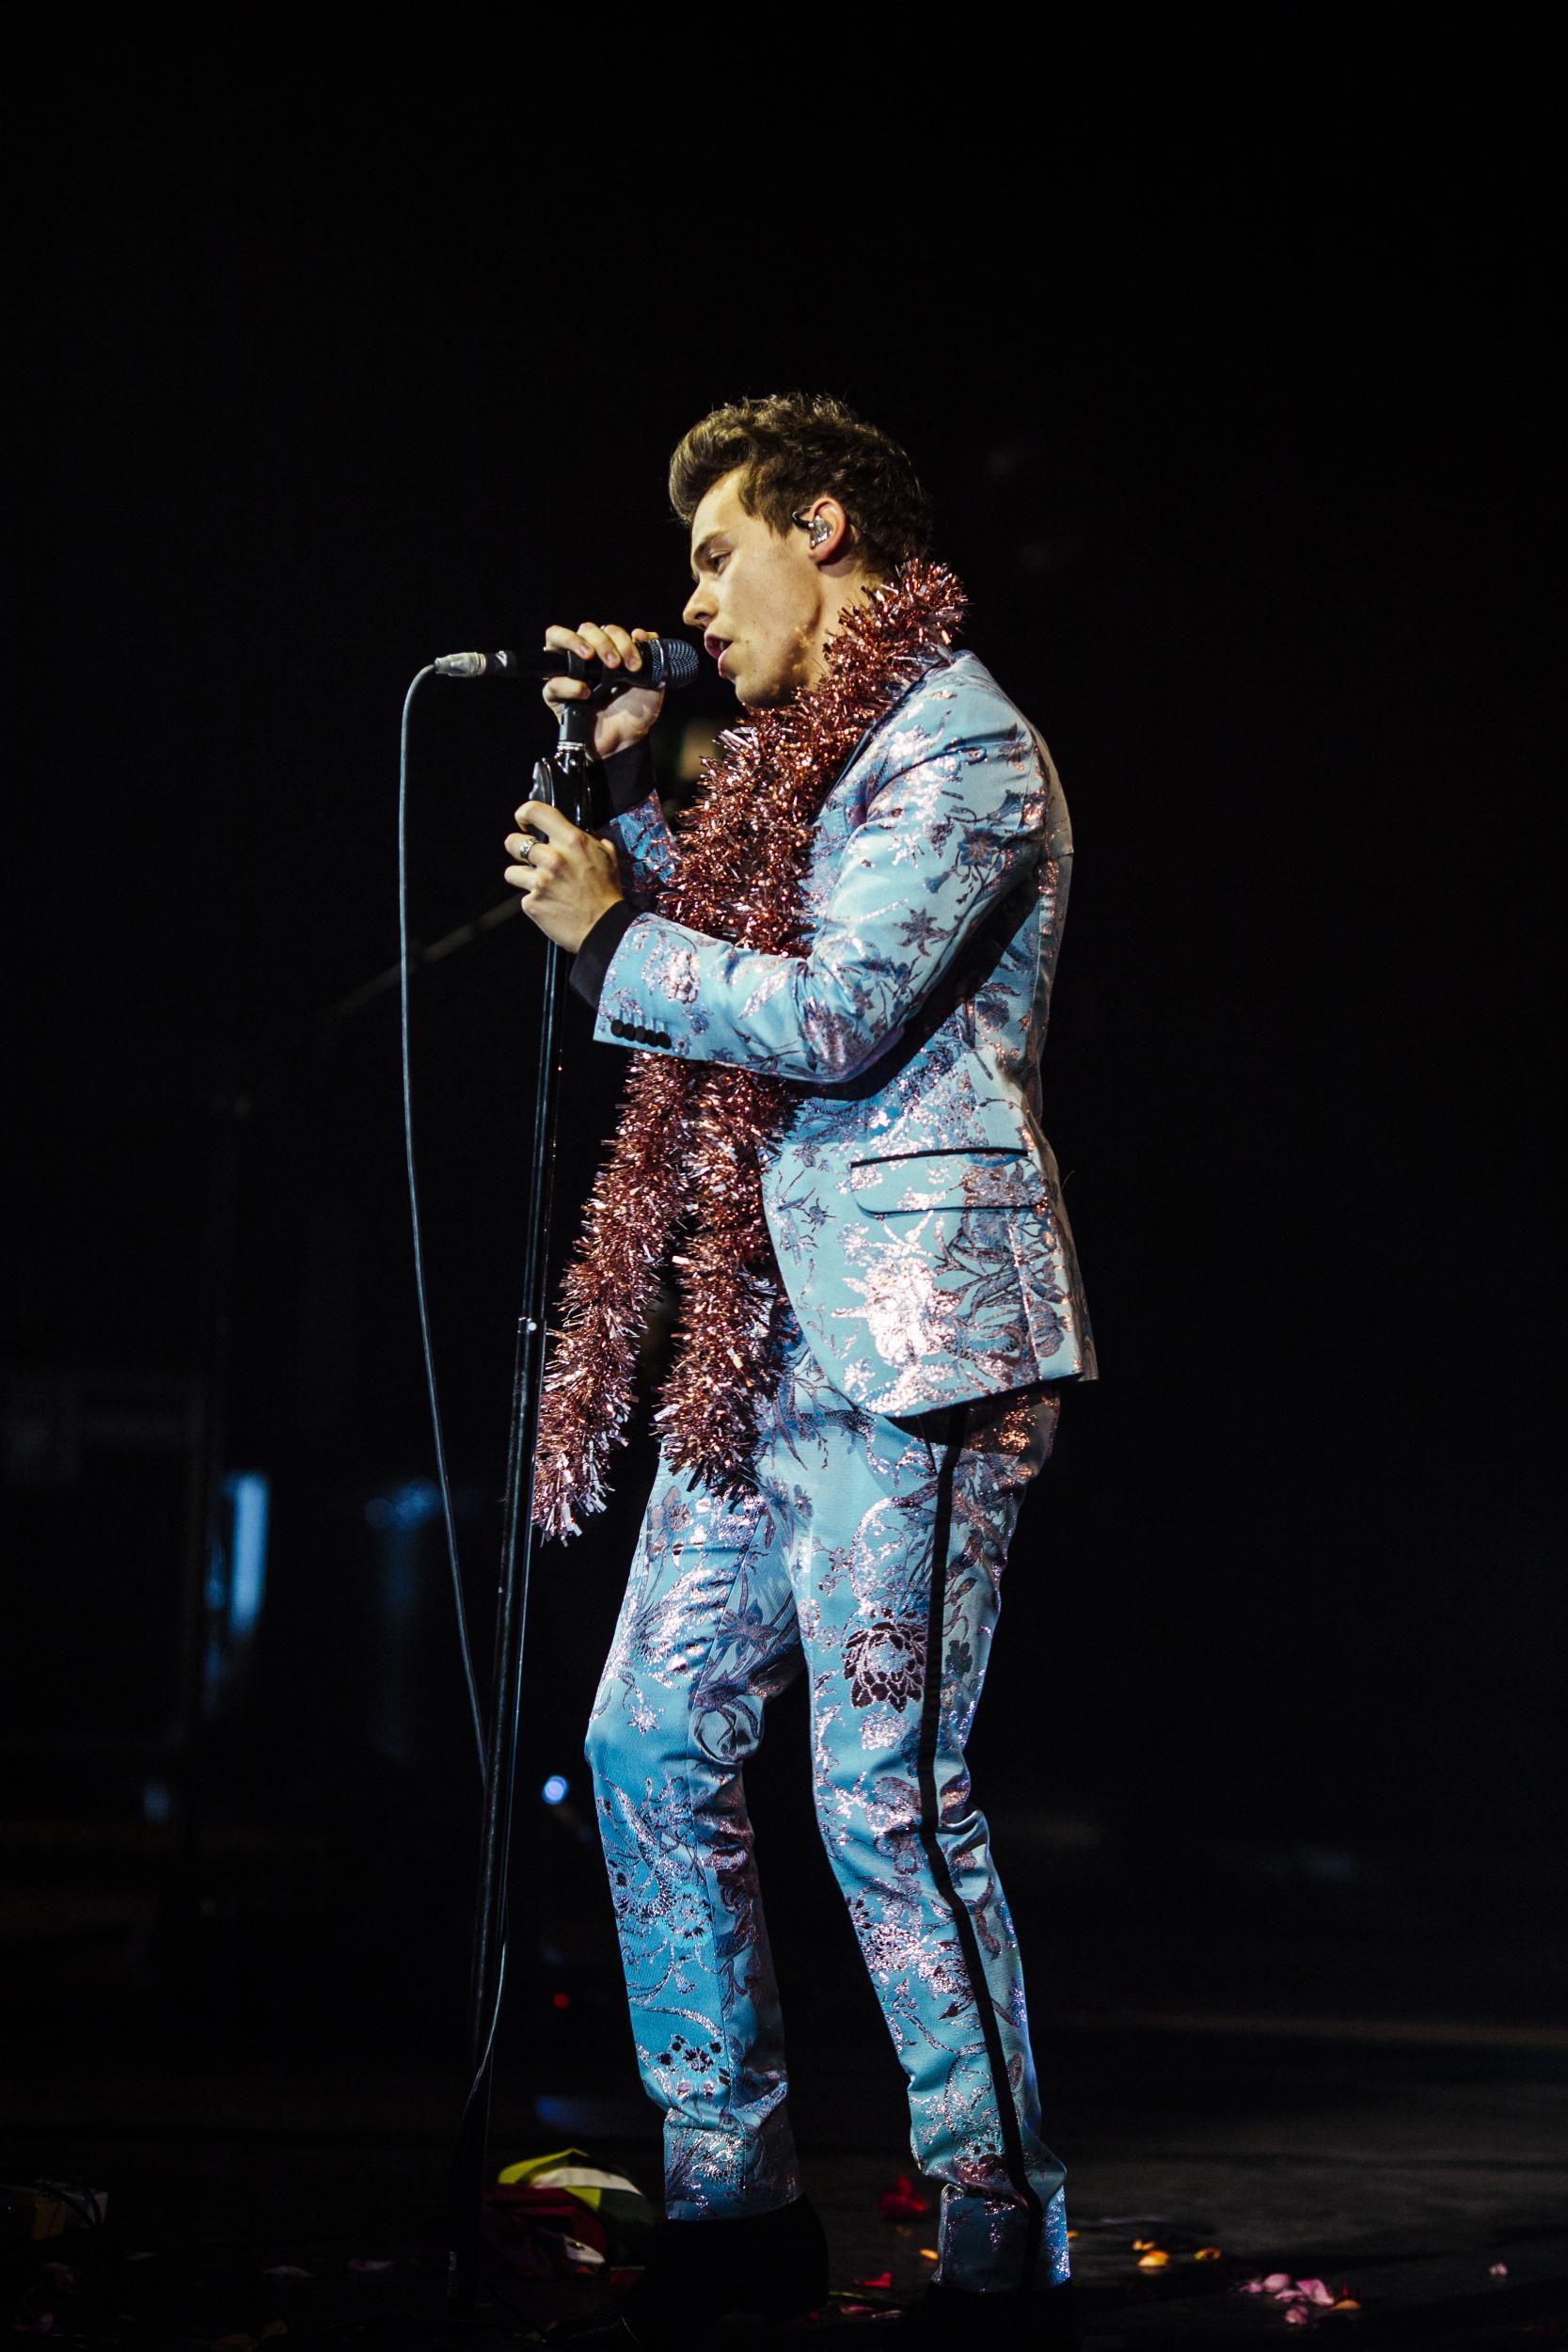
(687, 1154)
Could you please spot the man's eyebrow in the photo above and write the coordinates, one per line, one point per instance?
(701, 553)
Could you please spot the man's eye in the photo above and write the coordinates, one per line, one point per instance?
(716, 563)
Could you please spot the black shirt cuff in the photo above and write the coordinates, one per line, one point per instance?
(629, 776)
(592, 957)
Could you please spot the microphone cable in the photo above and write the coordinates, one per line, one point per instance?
(442, 1478)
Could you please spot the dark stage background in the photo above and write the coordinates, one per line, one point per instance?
(1241, 440)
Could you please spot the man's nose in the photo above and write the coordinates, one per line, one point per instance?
(699, 608)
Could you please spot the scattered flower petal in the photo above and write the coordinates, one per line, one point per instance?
(1156, 2260)
(1497, 2270)
(1207, 2254)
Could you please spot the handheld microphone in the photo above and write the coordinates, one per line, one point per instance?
(666, 662)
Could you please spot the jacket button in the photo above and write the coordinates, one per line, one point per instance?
(617, 1028)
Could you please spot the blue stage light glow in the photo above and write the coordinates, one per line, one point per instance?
(249, 1494)
(554, 1789)
(410, 1505)
(235, 1588)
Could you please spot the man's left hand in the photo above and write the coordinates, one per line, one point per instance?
(568, 880)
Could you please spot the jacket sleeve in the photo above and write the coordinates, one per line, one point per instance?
(637, 823)
(950, 825)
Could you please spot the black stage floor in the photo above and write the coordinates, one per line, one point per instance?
(1308, 2084)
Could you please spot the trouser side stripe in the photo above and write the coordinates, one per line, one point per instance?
(969, 1942)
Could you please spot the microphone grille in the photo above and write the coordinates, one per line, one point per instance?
(673, 661)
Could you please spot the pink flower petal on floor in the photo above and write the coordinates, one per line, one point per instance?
(1315, 2290)
(1497, 2270)
(1296, 2315)
(1275, 2279)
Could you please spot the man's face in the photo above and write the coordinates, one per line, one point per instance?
(758, 599)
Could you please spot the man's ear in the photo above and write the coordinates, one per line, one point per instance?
(826, 530)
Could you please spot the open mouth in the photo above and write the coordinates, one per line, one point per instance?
(718, 648)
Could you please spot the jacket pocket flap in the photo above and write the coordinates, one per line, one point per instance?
(980, 1177)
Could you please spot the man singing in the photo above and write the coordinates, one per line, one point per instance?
(834, 980)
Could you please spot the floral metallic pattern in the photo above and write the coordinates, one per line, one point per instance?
(869, 1558)
(912, 1201)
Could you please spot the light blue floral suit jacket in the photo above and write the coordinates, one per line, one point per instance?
(913, 1201)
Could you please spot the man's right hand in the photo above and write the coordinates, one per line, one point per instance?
(628, 718)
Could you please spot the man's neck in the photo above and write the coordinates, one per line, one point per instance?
(841, 592)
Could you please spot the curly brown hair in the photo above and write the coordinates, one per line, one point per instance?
(796, 446)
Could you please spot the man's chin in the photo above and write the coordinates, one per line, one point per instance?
(766, 697)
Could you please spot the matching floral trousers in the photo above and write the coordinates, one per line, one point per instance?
(870, 1558)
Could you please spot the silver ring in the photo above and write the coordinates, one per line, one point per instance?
(525, 855)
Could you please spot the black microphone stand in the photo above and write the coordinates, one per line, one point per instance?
(567, 780)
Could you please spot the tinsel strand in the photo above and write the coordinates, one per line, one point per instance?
(682, 1178)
